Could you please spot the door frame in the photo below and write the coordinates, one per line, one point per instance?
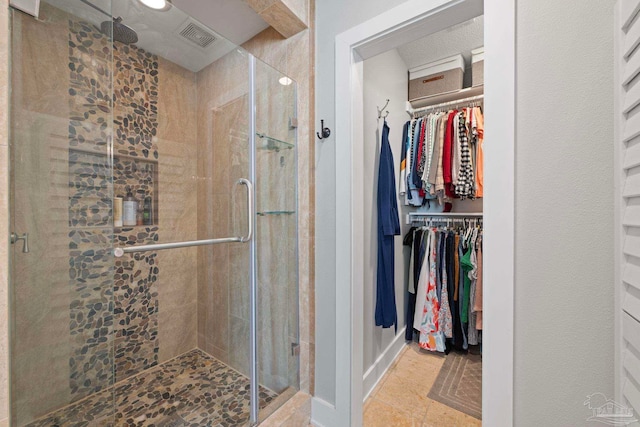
(409, 21)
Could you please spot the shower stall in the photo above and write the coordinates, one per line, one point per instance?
(154, 221)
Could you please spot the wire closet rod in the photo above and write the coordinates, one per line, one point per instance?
(445, 214)
(444, 104)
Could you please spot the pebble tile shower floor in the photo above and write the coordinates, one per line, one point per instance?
(193, 389)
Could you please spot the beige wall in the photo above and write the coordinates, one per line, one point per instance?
(178, 200)
(222, 134)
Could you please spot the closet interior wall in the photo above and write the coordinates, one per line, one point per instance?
(386, 78)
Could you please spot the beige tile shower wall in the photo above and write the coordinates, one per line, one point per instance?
(4, 217)
(223, 288)
(41, 304)
(177, 190)
(295, 57)
(222, 124)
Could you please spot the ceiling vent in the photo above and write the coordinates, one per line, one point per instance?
(196, 34)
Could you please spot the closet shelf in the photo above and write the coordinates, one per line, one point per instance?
(443, 98)
(273, 144)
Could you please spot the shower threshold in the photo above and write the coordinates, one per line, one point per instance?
(193, 389)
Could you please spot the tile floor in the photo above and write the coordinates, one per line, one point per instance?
(193, 389)
(400, 398)
(296, 412)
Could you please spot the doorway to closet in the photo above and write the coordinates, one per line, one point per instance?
(405, 23)
(428, 96)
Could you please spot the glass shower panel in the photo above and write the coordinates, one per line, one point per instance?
(116, 317)
(223, 275)
(62, 269)
(276, 233)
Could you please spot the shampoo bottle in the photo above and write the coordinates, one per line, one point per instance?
(147, 212)
(130, 209)
(117, 211)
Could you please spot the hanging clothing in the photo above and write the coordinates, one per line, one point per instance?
(465, 176)
(448, 270)
(445, 298)
(443, 157)
(388, 227)
(413, 194)
(472, 330)
(467, 266)
(477, 305)
(447, 155)
(431, 336)
(423, 280)
(403, 159)
(477, 113)
(413, 239)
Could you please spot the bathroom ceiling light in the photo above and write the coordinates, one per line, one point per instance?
(285, 81)
(159, 5)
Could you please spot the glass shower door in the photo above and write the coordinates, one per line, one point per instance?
(61, 218)
(179, 317)
(276, 234)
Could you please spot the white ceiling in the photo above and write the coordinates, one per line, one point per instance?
(232, 22)
(459, 39)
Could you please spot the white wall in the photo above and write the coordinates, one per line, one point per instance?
(385, 77)
(332, 18)
(564, 204)
(564, 209)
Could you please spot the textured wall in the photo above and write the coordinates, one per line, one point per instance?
(564, 348)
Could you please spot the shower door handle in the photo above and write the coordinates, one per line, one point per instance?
(118, 252)
(14, 238)
(250, 209)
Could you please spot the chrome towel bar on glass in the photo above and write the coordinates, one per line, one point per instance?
(118, 252)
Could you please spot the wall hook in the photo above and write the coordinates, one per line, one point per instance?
(326, 132)
(380, 110)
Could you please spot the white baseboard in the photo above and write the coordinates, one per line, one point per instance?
(382, 364)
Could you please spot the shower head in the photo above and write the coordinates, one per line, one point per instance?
(118, 31)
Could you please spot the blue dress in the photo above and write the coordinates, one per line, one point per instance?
(388, 227)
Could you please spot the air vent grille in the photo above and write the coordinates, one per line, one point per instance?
(198, 35)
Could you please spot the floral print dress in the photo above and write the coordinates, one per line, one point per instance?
(431, 336)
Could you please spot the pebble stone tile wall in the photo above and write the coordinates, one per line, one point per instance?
(114, 307)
